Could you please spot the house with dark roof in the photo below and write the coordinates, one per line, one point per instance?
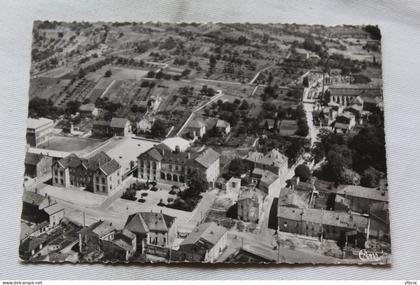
(115, 127)
(122, 247)
(223, 127)
(39, 214)
(273, 161)
(359, 199)
(155, 232)
(37, 165)
(196, 128)
(320, 223)
(266, 181)
(98, 174)
(91, 237)
(161, 163)
(205, 243)
(120, 126)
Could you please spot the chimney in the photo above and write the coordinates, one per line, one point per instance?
(188, 155)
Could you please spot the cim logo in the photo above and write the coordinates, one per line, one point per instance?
(370, 256)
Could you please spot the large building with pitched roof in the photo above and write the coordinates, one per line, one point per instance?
(161, 163)
(115, 127)
(153, 230)
(273, 161)
(205, 243)
(317, 222)
(99, 173)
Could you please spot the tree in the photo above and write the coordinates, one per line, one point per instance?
(244, 105)
(108, 73)
(374, 32)
(72, 107)
(197, 182)
(370, 177)
(303, 172)
(369, 149)
(158, 129)
(237, 167)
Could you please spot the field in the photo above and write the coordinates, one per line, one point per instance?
(46, 88)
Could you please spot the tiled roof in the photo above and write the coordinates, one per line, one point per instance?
(207, 157)
(136, 224)
(157, 221)
(99, 159)
(50, 210)
(118, 123)
(222, 124)
(110, 167)
(266, 177)
(101, 123)
(291, 198)
(363, 192)
(33, 198)
(210, 232)
(103, 228)
(331, 218)
(196, 124)
(273, 158)
(173, 142)
(33, 123)
(87, 107)
(143, 222)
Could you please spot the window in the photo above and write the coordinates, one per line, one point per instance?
(97, 179)
(233, 184)
(97, 188)
(56, 180)
(61, 172)
(103, 180)
(118, 173)
(103, 188)
(62, 181)
(162, 175)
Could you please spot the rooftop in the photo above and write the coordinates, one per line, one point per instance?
(103, 228)
(331, 218)
(196, 124)
(145, 222)
(364, 192)
(118, 123)
(173, 142)
(210, 232)
(272, 158)
(33, 123)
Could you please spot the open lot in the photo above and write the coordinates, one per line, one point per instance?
(71, 144)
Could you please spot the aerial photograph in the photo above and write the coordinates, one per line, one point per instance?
(205, 143)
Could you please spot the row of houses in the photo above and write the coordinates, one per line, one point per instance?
(355, 213)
